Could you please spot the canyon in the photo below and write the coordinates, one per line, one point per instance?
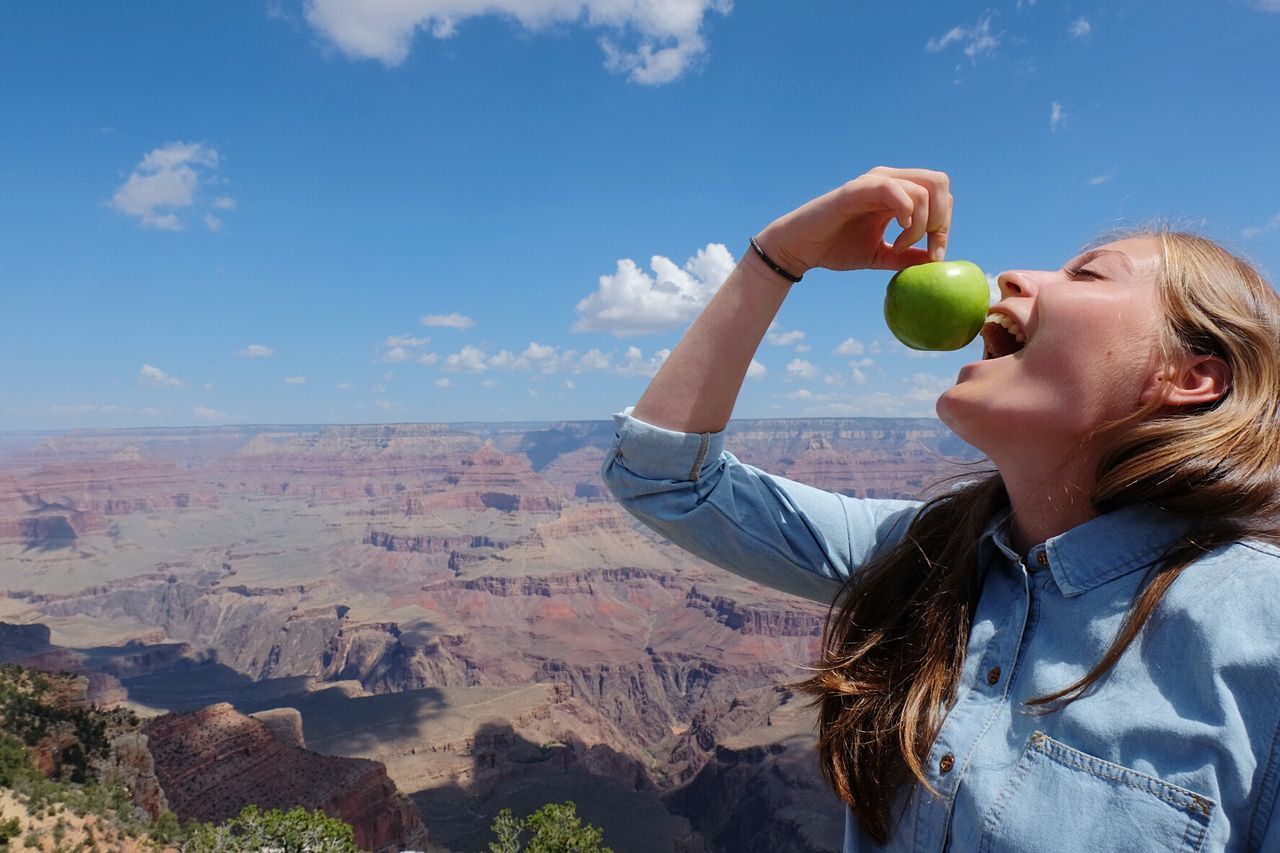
(462, 605)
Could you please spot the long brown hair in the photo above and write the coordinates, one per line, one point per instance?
(895, 638)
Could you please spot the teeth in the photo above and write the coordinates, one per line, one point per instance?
(1010, 324)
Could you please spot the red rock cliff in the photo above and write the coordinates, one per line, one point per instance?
(213, 762)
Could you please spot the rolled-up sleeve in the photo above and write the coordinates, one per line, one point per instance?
(768, 529)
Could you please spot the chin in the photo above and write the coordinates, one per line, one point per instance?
(945, 407)
(970, 419)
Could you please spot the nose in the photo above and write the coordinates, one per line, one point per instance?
(1016, 283)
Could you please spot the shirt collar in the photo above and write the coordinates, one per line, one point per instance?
(1100, 550)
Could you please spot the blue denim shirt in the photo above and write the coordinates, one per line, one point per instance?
(1176, 748)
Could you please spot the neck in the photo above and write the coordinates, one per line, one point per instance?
(1047, 500)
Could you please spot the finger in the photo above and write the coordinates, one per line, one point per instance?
(938, 184)
(939, 181)
(940, 226)
(888, 258)
(919, 216)
(894, 196)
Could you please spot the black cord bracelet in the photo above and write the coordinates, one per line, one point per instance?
(794, 279)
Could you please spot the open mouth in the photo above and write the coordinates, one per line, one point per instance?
(1001, 336)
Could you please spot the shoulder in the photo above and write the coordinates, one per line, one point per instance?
(1245, 572)
(1226, 604)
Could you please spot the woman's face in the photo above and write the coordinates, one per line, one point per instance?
(1090, 353)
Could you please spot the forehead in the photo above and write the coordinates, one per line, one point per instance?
(1140, 257)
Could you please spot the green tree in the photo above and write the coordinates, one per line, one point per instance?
(554, 828)
(166, 828)
(15, 765)
(294, 831)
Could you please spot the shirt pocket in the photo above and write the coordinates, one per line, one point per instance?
(1060, 796)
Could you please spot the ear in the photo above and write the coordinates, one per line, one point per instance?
(1199, 379)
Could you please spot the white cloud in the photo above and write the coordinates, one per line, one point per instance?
(164, 183)
(802, 394)
(386, 405)
(467, 360)
(977, 39)
(545, 360)
(395, 355)
(594, 359)
(1081, 27)
(428, 358)
(208, 414)
(851, 346)
(756, 370)
(1272, 224)
(1056, 116)
(295, 380)
(107, 409)
(405, 341)
(1266, 5)
(925, 387)
(798, 368)
(785, 339)
(157, 378)
(650, 42)
(443, 383)
(635, 364)
(1099, 180)
(488, 383)
(452, 321)
(256, 351)
(632, 302)
(212, 222)
(223, 202)
(569, 385)
(993, 294)
(506, 360)
(345, 386)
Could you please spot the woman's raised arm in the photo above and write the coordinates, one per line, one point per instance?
(695, 390)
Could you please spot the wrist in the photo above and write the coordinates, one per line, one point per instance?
(775, 248)
(764, 259)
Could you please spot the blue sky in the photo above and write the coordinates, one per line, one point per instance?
(410, 210)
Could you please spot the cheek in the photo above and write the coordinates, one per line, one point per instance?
(1097, 372)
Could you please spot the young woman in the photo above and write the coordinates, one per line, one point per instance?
(1080, 652)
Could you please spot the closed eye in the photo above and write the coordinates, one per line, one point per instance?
(1082, 272)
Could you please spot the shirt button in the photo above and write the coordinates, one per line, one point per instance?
(993, 676)
(1042, 558)
(947, 762)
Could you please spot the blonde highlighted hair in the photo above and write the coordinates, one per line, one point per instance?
(895, 637)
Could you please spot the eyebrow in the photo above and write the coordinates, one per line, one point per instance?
(1094, 254)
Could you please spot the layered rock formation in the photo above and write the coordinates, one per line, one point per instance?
(462, 603)
(213, 762)
(53, 506)
(68, 738)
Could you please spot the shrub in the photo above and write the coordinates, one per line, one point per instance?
(294, 831)
(9, 829)
(554, 828)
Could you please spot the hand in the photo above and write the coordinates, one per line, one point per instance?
(845, 229)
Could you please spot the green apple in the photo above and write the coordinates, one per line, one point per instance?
(937, 306)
